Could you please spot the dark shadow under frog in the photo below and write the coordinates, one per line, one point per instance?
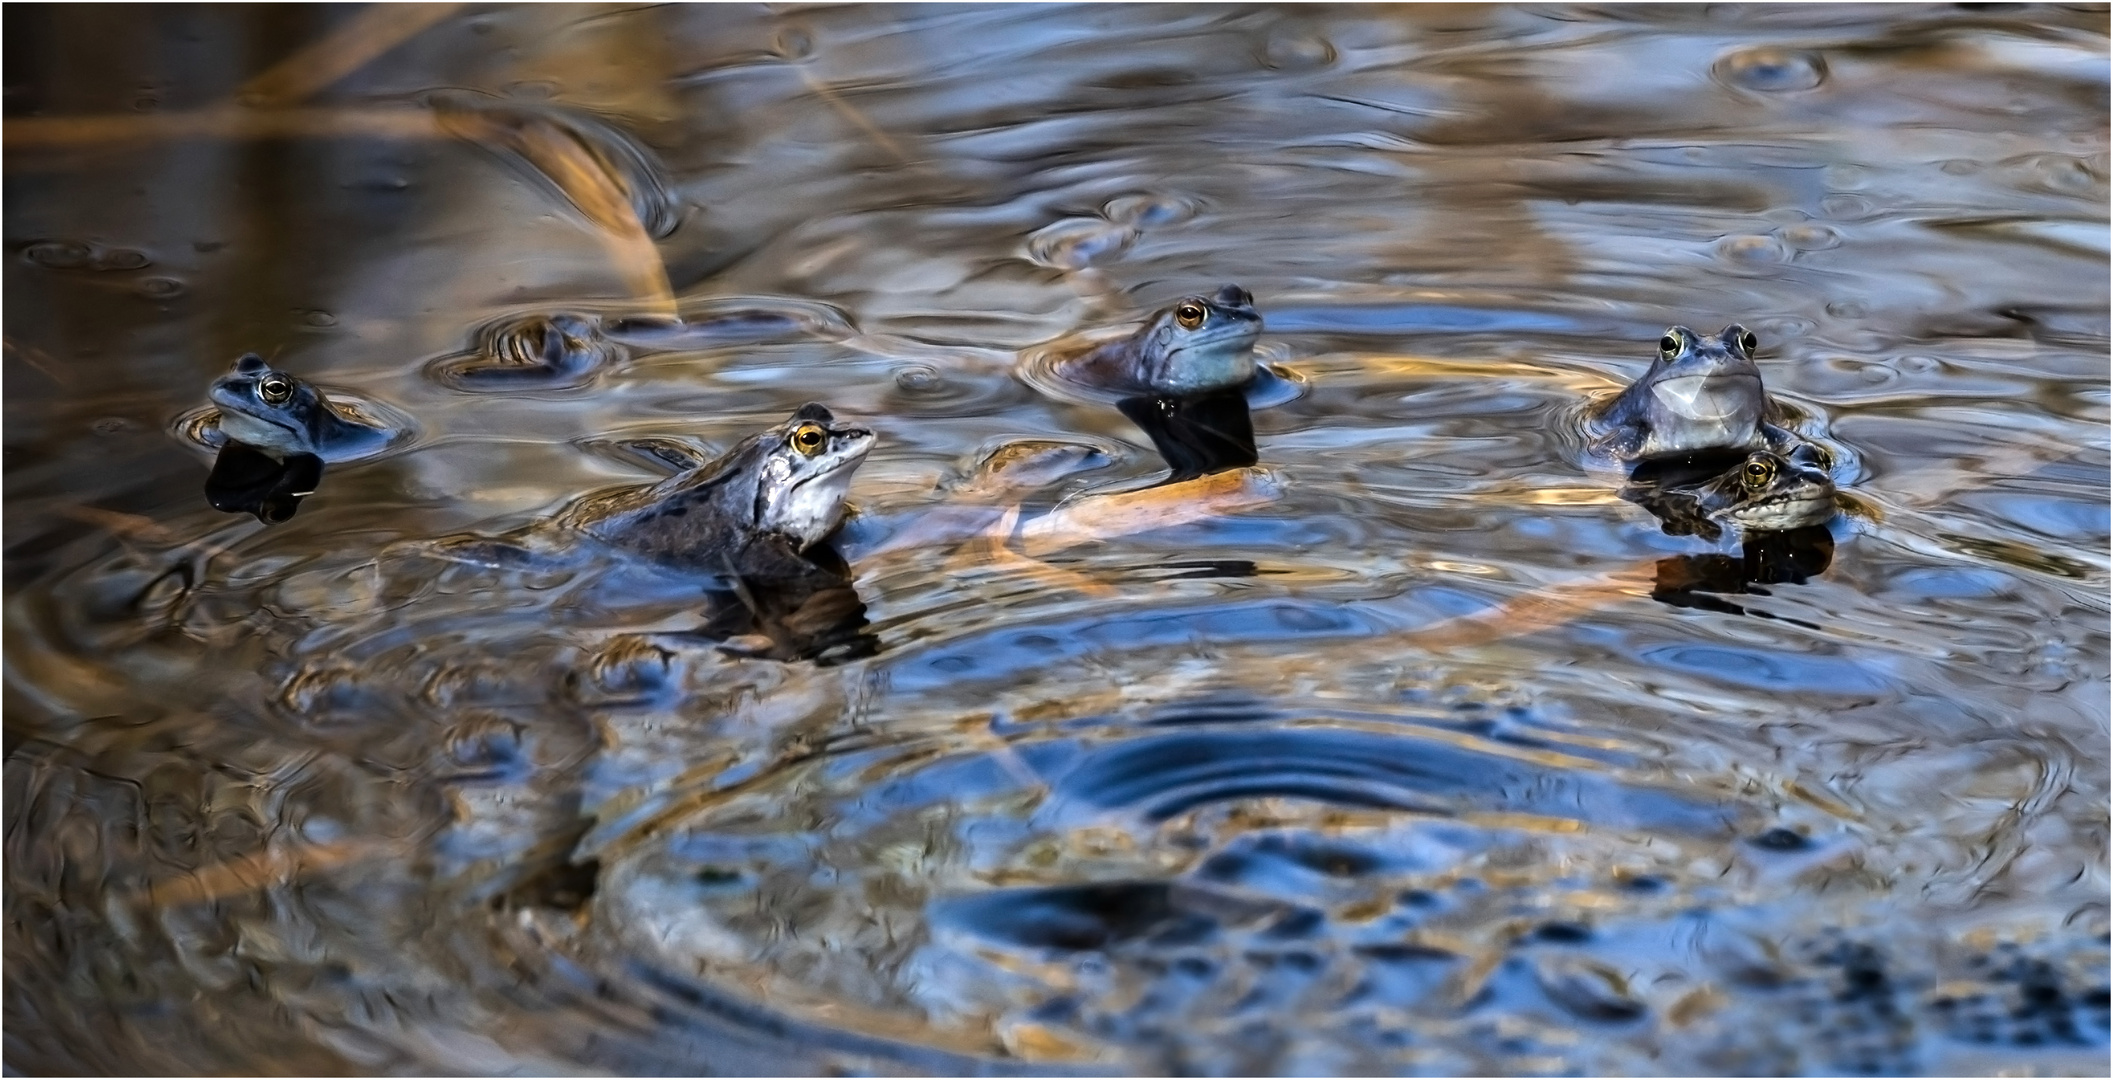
(1199, 434)
(1768, 558)
(278, 431)
(798, 606)
(248, 481)
(756, 523)
(1183, 377)
(1780, 508)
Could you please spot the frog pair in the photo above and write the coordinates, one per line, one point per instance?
(1700, 404)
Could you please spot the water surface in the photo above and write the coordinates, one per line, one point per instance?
(1420, 752)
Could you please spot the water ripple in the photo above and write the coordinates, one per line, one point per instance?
(1413, 749)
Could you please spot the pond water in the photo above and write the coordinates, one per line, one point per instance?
(1415, 748)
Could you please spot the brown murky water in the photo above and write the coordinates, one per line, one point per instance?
(1415, 750)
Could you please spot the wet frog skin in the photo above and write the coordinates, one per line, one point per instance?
(535, 351)
(1768, 492)
(781, 489)
(1198, 345)
(279, 415)
(1764, 492)
(1702, 393)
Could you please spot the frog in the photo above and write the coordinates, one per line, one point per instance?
(280, 416)
(1701, 394)
(1197, 345)
(536, 351)
(1763, 492)
(759, 508)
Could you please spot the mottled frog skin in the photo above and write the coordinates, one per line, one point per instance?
(1768, 492)
(279, 415)
(1198, 345)
(776, 492)
(1702, 393)
(1765, 492)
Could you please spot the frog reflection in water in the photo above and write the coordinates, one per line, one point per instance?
(1790, 557)
(279, 430)
(1781, 508)
(1182, 377)
(1702, 393)
(1197, 434)
(757, 518)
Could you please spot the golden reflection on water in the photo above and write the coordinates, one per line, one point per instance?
(351, 45)
(1389, 754)
(28, 135)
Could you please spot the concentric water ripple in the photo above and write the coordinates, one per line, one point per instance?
(1414, 748)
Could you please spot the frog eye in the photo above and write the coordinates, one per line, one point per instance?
(1759, 472)
(808, 439)
(275, 389)
(1749, 342)
(1189, 314)
(1669, 345)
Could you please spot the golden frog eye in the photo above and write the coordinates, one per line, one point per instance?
(1189, 314)
(1759, 473)
(275, 389)
(1749, 342)
(1669, 345)
(808, 439)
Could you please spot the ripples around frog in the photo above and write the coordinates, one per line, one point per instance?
(1275, 382)
(200, 427)
(1413, 750)
(566, 350)
(945, 884)
(1125, 890)
(544, 352)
